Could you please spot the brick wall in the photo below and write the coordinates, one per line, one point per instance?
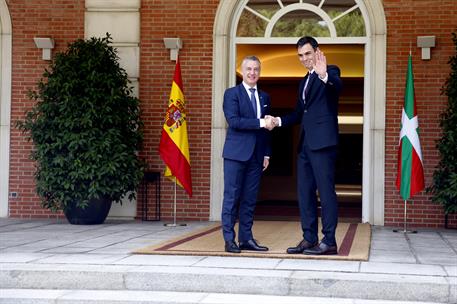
(192, 21)
(62, 20)
(405, 21)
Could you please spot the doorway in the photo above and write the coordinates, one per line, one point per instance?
(312, 14)
(277, 198)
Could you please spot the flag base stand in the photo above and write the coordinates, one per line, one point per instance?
(405, 231)
(174, 224)
(405, 221)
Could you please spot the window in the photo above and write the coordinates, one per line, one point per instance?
(295, 18)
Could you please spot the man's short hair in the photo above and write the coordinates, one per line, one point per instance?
(251, 58)
(307, 39)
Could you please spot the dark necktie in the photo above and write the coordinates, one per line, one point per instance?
(253, 101)
(306, 87)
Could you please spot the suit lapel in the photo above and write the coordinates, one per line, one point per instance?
(261, 102)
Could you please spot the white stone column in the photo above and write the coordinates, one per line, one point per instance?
(374, 114)
(5, 104)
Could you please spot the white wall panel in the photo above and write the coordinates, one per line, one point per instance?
(129, 59)
(112, 4)
(120, 18)
(123, 26)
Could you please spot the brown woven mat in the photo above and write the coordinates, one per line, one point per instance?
(353, 242)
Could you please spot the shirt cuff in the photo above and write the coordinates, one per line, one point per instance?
(262, 123)
(325, 79)
(280, 122)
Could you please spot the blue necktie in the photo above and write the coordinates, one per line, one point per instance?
(253, 101)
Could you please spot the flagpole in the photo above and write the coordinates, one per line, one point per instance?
(173, 146)
(174, 224)
(404, 223)
(410, 175)
(174, 206)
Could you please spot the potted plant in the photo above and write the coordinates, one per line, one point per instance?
(86, 129)
(444, 187)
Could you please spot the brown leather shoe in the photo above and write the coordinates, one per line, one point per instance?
(304, 244)
(252, 245)
(231, 246)
(321, 249)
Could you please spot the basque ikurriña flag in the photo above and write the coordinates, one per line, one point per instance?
(410, 174)
(174, 145)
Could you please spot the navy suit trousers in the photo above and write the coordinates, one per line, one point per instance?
(316, 169)
(241, 184)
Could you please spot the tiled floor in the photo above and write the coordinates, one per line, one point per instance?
(429, 252)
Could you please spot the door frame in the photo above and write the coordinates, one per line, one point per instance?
(224, 56)
(5, 104)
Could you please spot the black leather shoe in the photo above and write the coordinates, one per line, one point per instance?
(304, 244)
(252, 245)
(321, 249)
(232, 247)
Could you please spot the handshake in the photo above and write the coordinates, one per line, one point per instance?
(271, 122)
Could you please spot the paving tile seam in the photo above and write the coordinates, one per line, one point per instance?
(291, 293)
(411, 247)
(448, 273)
(194, 265)
(245, 268)
(39, 258)
(22, 244)
(20, 228)
(101, 247)
(140, 270)
(203, 297)
(447, 242)
(128, 239)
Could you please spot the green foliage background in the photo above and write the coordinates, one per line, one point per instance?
(85, 127)
(444, 187)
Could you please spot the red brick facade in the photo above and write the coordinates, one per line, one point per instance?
(64, 21)
(405, 21)
(193, 21)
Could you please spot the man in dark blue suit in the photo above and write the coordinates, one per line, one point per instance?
(246, 154)
(317, 112)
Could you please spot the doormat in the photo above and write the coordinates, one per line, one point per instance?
(353, 241)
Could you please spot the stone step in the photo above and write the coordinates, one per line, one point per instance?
(295, 283)
(48, 296)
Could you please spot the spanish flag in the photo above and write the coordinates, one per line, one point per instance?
(174, 146)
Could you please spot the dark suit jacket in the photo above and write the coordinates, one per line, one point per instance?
(244, 132)
(319, 115)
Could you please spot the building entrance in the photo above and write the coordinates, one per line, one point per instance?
(277, 197)
(347, 23)
(278, 193)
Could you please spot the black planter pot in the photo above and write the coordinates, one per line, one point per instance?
(95, 213)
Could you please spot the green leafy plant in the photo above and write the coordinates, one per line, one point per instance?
(85, 126)
(444, 188)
